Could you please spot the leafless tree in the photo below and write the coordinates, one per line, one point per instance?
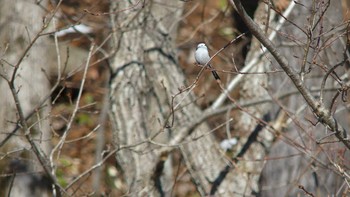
(24, 87)
(142, 132)
(283, 112)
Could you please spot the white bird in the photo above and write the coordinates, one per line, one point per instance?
(202, 57)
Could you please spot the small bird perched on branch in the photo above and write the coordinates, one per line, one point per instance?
(202, 57)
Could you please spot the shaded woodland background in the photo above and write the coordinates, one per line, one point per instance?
(278, 169)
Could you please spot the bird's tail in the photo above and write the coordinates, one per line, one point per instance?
(215, 74)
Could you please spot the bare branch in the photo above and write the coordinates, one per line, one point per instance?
(319, 109)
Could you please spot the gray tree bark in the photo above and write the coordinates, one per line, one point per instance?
(308, 166)
(146, 76)
(20, 21)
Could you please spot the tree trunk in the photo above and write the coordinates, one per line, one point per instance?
(146, 76)
(307, 166)
(20, 21)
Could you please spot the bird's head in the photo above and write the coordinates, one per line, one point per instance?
(202, 45)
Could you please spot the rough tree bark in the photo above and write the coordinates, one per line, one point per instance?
(314, 39)
(288, 176)
(145, 76)
(20, 21)
(252, 87)
(312, 166)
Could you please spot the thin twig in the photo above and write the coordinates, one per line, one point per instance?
(60, 144)
(220, 100)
